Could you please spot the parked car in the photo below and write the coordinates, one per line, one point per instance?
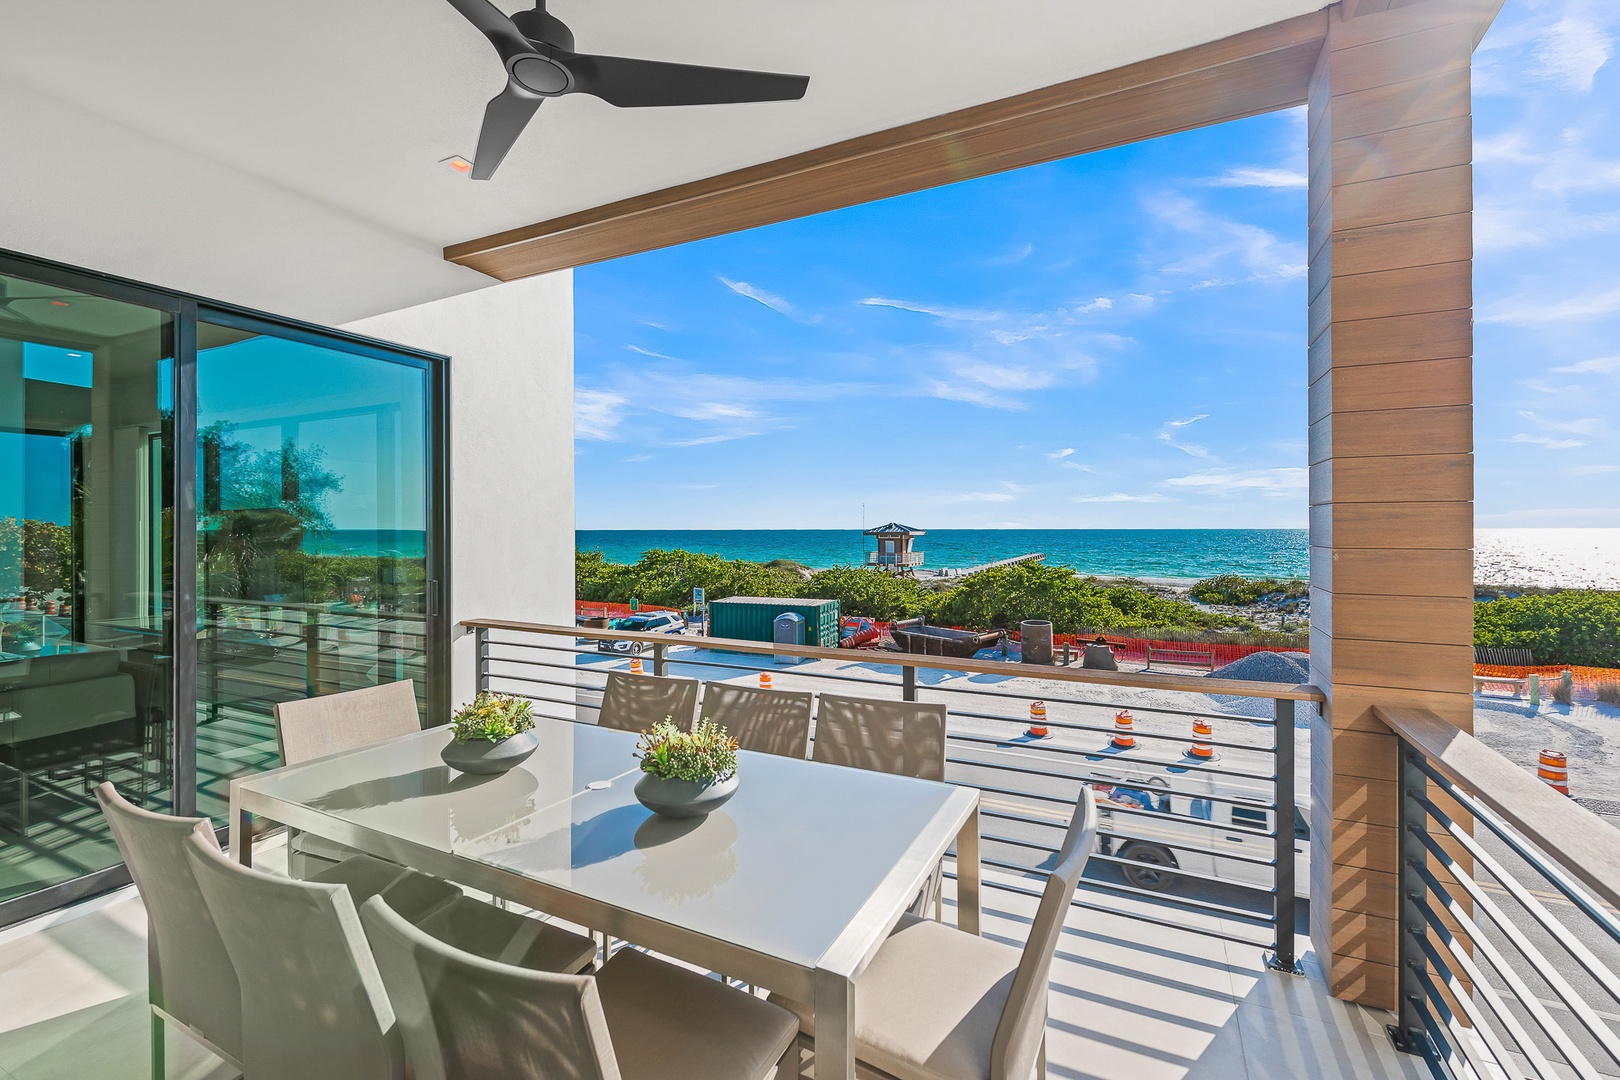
(646, 622)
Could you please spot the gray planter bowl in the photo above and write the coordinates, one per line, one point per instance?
(490, 759)
(684, 798)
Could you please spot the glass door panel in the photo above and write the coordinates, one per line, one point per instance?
(86, 585)
(313, 475)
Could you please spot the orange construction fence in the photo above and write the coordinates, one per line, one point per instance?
(1587, 679)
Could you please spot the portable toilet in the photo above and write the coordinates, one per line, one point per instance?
(788, 629)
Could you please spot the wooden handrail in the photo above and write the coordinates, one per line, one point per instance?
(1583, 843)
(1137, 680)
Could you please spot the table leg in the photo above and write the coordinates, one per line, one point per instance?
(835, 1027)
(967, 875)
(241, 835)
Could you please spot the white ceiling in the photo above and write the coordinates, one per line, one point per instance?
(285, 154)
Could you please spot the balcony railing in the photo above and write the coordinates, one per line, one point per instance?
(1194, 805)
(1509, 932)
(905, 558)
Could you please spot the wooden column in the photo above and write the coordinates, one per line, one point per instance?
(1391, 441)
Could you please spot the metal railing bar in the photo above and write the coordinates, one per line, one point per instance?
(1118, 860)
(554, 701)
(543, 682)
(1470, 1007)
(1100, 755)
(1556, 929)
(1203, 907)
(1260, 751)
(1162, 710)
(1128, 811)
(1089, 779)
(1127, 837)
(1475, 1016)
(991, 883)
(543, 663)
(1476, 940)
(1578, 896)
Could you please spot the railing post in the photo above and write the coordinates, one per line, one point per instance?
(312, 653)
(908, 682)
(1284, 959)
(481, 658)
(1408, 1035)
(660, 659)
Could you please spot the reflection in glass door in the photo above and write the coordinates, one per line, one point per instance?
(86, 618)
(313, 474)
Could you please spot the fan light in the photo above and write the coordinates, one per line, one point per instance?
(458, 163)
(60, 303)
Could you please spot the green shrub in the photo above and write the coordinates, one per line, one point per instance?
(1579, 627)
(1235, 590)
(1003, 597)
(667, 578)
(493, 717)
(870, 593)
(1609, 693)
(705, 753)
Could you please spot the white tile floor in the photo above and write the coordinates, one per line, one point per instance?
(1129, 1001)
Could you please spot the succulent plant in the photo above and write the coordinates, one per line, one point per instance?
(493, 717)
(704, 754)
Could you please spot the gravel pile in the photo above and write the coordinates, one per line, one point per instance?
(1279, 667)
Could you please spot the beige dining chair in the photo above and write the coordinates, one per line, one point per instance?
(192, 981)
(938, 1004)
(311, 728)
(906, 738)
(639, 1019)
(312, 1003)
(767, 721)
(637, 702)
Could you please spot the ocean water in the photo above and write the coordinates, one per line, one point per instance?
(401, 543)
(1176, 554)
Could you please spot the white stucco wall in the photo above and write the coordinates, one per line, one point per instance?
(511, 350)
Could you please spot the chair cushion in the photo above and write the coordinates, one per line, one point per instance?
(928, 1005)
(506, 936)
(415, 896)
(669, 1023)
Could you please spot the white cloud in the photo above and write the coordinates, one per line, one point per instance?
(708, 440)
(1571, 52)
(949, 313)
(986, 496)
(715, 410)
(1058, 455)
(1077, 466)
(1286, 481)
(1191, 449)
(972, 395)
(1602, 365)
(1219, 241)
(1187, 421)
(634, 458)
(1523, 311)
(769, 299)
(1258, 176)
(1586, 425)
(597, 414)
(1548, 441)
(1594, 470)
(649, 352)
(1122, 497)
(1101, 303)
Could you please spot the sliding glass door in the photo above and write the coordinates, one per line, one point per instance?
(313, 478)
(203, 512)
(86, 614)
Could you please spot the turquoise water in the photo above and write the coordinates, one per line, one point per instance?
(1148, 553)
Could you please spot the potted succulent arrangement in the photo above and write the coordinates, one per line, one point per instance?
(686, 773)
(491, 735)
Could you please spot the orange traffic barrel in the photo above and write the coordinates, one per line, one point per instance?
(635, 665)
(1123, 739)
(1554, 771)
(1037, 720)
(1202, 733)
(764, 680)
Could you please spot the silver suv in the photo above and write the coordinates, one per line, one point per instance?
(647, 622)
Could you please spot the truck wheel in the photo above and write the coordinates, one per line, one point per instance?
(1153, 869)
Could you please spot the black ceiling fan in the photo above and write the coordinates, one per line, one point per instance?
(10, 312)
(537, 49)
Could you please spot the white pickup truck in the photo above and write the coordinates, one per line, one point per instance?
(1233, 847)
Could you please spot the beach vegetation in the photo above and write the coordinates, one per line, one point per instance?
(1577, 627)
(1233, 590)
(1001, 598)
(870, 593)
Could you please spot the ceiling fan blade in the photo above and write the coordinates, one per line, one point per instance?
(494, 24)
(505, 118)
(635, 84)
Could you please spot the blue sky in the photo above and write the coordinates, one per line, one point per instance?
(1111, 341)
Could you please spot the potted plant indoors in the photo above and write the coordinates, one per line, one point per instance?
(686, 774)
(491, 735)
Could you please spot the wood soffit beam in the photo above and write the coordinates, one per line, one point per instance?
(1254, 72)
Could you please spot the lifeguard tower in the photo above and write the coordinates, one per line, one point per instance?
(894, 548)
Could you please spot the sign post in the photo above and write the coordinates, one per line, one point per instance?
(698, 602)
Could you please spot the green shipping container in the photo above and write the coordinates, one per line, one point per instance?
(749, 618)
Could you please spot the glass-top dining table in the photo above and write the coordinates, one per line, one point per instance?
(792, 885)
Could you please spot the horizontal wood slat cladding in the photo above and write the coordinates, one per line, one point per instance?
(1422, 148)
(1409, 290)
(1352, 708)
(1430, 478)
(1380, 525)
(1419, 619)
(1413, 384)
(1392, 571)
(1399, 105)
(1446, 429)
(1402, 244)
(1362, 980)
(1448, 668)
(1364, 936)
(1366, 67)
(1258, 71)
(1411, 18)
(1405, 196)
(1396, 340)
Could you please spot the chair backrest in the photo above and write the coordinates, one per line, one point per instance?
(313, 1004)
(309, 728)
(637, 702)
(902, 737)
(462, 1016)
(1023, 1019)
(196, 979)
(769, 721)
